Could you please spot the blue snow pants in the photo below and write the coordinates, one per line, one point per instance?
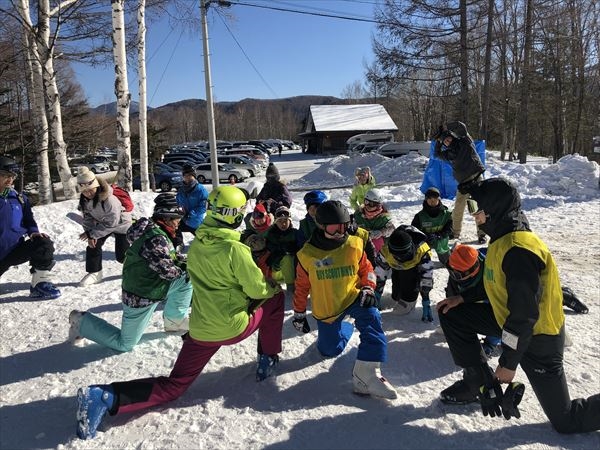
(135, 320)
(333, 337)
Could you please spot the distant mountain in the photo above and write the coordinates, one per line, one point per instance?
(296, 105)
(111, 108)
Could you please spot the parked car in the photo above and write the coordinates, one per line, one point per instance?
(241, 162)
(165, 180)
(395, 149)
(252, 152)
(226, 173)
(92, 164)
(193, 157)
(112, 162)
(365, 147)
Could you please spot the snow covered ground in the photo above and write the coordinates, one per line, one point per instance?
(309, 404)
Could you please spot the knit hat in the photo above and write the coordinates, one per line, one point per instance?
(282, 211)
(188, 169)
(86, 179)
(166, 207)
(432, 192)
(401, 245)
(259, 211)
(463, 262)
(362, 171)
(272, 172)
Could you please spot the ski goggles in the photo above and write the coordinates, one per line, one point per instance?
(370, 204)
(336, 229)
(462, 275)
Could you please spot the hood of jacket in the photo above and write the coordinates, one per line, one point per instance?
(501, 203)
(210, 232)
(139, 228)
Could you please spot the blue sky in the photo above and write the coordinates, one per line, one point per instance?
(295, 54)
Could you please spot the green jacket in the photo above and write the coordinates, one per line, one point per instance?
(357, 197)
(224, 278)
(440, 226)
(138, 278)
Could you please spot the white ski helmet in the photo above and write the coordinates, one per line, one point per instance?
(373, 196)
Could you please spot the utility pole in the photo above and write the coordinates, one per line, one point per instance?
(210, 116)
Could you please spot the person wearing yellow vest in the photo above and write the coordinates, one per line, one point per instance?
(334, 270)
(526, 308)
(406, 258)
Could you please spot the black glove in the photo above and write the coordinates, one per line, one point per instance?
(366, 297)
(491, 398)
(300, 323)
(511, 399)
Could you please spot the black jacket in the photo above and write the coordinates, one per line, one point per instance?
(462, 156)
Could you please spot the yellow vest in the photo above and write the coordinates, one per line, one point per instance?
(551, 315)
(333, 275)
(363, 234)
(394, 264)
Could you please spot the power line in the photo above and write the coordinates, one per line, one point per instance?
(309, 13)
(246, 55)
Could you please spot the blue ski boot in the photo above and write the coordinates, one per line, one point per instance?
(266, 366)
(93, 402)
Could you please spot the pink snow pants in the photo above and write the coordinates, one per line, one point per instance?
(193, 357)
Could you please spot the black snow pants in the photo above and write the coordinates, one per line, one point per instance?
(93, 256)
(542, 362)
(39, 251)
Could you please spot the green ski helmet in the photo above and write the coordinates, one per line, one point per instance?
(227, 205)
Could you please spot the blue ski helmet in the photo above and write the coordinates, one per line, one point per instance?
(314, 198)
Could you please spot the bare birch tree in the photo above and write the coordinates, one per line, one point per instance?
(35, 83)
(124, 177)
(143, 116)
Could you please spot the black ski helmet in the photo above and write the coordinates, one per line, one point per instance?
(9, 165)
(166, 207)
(332, 212)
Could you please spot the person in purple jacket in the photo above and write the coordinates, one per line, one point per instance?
(20, 237)
(274, 193)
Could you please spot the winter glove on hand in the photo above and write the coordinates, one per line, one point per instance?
(427, 314)
(366, 297)
(511, 399)
(300, 323)
(491, 398)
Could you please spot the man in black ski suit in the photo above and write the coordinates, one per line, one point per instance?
(526, 309)
(455, 145)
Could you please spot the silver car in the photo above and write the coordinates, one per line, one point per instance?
(226, 173)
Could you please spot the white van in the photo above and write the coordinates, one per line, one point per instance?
(395, 149)
(382, 138)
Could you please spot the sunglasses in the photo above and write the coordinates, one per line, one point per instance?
(89, 183)
(282, 215)
(336, 229)
(462, 275)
